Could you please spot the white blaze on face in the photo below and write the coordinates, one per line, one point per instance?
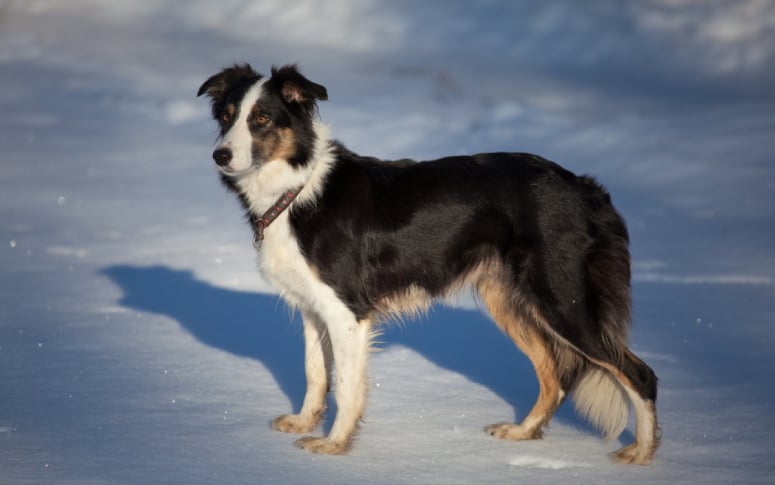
(239, 139)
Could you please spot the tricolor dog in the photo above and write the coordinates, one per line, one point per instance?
(351, 240)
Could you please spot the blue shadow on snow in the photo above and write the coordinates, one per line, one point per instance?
(255, 325)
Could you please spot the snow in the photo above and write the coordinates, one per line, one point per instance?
(138, 344)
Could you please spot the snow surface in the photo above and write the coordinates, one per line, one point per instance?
(139, 345)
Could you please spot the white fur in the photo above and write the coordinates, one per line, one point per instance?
(280, 258)
(317, 367)
(323, 161)
(317, 361)
(265, 184)
(646, 433)
(600, 398)
(239, 139)
(283, 265)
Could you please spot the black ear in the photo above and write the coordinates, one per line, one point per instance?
(217, 86)
(296, 88)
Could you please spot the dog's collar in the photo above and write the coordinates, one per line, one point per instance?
(272, 213)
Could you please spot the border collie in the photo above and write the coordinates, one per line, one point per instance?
(351, 241)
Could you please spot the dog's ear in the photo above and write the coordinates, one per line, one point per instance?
(295, 88)
(217, 86)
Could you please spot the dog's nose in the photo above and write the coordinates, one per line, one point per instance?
(222, 156)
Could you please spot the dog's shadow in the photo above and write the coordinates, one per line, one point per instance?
(256, 326)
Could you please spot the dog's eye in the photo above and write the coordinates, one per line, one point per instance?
(225, 118)
(262, 119)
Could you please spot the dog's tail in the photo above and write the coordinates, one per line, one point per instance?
(598, 395)
(599, 398)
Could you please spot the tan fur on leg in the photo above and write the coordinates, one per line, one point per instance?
(533, 344)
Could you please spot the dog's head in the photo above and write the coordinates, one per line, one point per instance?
(262, 119)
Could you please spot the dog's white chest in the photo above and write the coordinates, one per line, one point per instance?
(283, 265)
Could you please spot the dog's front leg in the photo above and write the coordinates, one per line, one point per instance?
(350, 341)
(317, 367)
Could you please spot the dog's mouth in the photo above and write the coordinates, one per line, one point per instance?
(230, 172)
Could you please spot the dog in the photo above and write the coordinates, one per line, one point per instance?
(351, 241)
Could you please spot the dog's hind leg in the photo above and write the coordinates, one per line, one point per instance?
(640, 383)
(317, 367)
(350, 341)
(532, 343)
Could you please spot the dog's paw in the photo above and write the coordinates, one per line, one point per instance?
(632, 455)
(294, 423)
(513, 432)
(321, 446)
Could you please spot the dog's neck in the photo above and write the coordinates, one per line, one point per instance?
(262, 188)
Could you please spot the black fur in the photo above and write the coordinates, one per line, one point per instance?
(424, 224)
(379, 228)
(228, 86)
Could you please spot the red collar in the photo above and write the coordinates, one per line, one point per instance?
(272, 213)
